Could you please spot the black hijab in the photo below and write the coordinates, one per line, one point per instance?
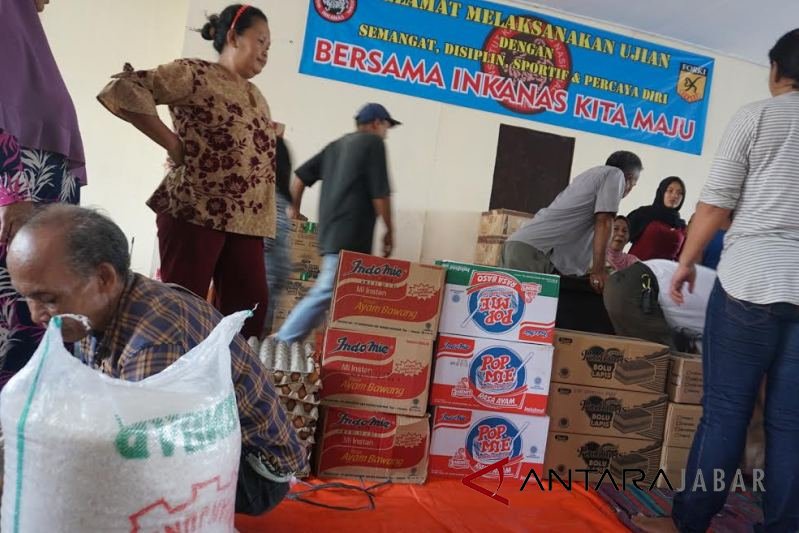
(641, 217)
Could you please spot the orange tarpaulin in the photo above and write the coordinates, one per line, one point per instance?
(442, 505)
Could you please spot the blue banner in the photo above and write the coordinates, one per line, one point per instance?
(516, 62)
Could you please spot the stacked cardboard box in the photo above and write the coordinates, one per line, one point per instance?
(607, 405)
(304, 251)
(682, 418)
(495, 228)
(376, 367)
(492, 371)
(305, 261)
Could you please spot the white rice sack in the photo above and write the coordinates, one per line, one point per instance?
(86, 452)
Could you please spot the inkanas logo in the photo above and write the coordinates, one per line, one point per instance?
(336, 10)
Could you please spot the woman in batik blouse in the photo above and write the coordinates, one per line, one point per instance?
(217, 201)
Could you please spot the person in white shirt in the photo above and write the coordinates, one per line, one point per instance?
(752, 326)
(639, 305)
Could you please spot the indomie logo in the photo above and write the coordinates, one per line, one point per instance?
(361, 347)
(376, 270)
(347, 420)
(458, 347)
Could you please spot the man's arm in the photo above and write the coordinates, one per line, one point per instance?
(305, 176)
(383, 209)
(603, 223)
(297, 189)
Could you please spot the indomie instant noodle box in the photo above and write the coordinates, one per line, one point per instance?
(383, 372)
(388, 295)
(496, 303)
(367, 444)
(466, 441)
(512, 377)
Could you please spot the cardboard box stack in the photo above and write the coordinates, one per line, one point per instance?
(305, 263)
(607, 405)
(376, 366)
(682, 417)
(495, 227)
(493, 362)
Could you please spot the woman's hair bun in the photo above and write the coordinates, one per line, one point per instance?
(209, 29)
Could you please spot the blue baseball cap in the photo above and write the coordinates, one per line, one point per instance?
(371, 112)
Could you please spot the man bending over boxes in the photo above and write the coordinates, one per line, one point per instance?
(575, 228)
(639, 305)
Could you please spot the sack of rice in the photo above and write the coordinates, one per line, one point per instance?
(87, 452)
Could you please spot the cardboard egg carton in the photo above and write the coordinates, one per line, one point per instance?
(301, 395)
(307, 411)
(302, 389)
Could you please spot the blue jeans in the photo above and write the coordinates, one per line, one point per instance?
(742, 343)
(276, 258)
(311, 310)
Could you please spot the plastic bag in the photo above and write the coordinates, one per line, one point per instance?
(87, 452)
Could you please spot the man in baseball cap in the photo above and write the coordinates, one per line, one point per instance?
(355, 191)
(371, 112)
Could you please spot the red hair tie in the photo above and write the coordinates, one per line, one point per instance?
(241, 10)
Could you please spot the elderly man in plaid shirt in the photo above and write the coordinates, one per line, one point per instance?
(72, 260)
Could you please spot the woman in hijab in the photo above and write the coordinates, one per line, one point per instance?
(657, 231)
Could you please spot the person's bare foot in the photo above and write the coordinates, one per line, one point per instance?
(655, 524)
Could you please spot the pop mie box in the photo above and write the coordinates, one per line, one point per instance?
(496, 303)
(387, 295)
(465, 441)
(382, 372)
(365, 444)
(511, 377)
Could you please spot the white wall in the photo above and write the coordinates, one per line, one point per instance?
(92, 40)
(441, 159)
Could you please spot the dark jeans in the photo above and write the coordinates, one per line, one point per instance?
(256, 495)
(742, 343)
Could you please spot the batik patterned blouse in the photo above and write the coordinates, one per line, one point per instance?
(227, 181)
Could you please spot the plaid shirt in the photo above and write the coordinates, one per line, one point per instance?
(154, 325)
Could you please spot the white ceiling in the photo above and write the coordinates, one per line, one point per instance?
(739, 28)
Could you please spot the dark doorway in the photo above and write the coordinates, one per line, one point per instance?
(531, 169)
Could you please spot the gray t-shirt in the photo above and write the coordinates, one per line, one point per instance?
(566, 227)
(353, 172)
